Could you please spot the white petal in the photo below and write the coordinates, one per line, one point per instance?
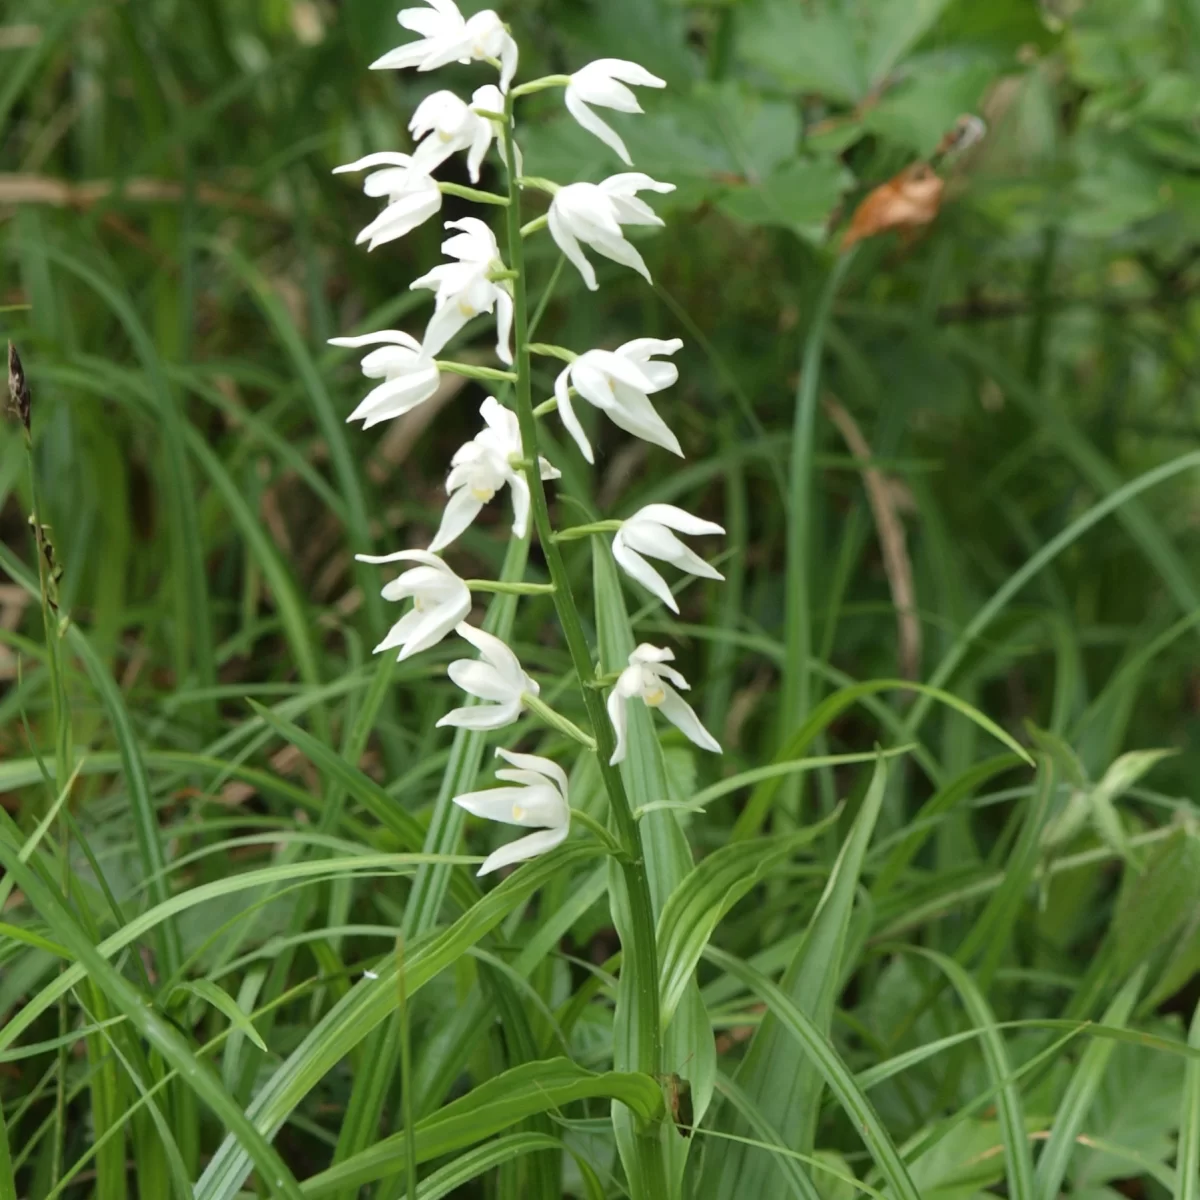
(482, 716)
(628, 183)
(400, 58)
(394, 398)
(481, 679)
(461, 509)
(594, 125)
(681, 714)
(646, 653)
(524, 848)
(676, 518)
(623, 252)
(500, 655)
(509, 54)
(619, 718)
(659, 542)
(493, 804)
(635, 566)
(445, 324)
(635, 414)
(567, 243)
(570, 421)
(435, 625)
(395, 337)
(519, 486)
(504, 322)
(381, 158)
(420, 556)
(535, 762)
(626, 71)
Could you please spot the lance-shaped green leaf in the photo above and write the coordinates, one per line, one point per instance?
(498, 1104)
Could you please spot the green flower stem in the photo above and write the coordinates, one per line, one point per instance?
(538, 85)
(533, 226)
(471, 371)
(548, 351)
(546, 407)
(610, 843)
(538, 184)
(640, 955)
(557, 721)
(576, 532)
(510, 589)
(469, 193)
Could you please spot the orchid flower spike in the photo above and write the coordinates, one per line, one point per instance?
(648, 531)
(619, 382)
(412, 194)
(648, 676)
(593, 213)
(496, 676)
(481, 468)
(447, 37)
(447, 124)
(441, 601)
(539, 801)
(409, 375)
(463, 289)
(603, 82)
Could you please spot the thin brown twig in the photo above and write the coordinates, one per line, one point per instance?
(896, 563)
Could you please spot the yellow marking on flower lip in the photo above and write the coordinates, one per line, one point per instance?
(482, 494)
(444, 135)
(518, 813)
(654, 696)
(467, 309)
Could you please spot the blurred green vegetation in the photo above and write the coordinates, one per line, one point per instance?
(1022, 370)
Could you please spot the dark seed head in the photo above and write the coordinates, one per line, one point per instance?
(18, 387)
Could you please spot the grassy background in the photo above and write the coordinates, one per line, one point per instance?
(175, 255)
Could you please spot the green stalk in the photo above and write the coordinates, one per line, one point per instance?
(640, 955)
(797, 695)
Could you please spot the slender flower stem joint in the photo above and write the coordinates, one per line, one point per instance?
(641, 953)
(470, 193)
(577, 532)
(510, 589)
(535, 226)
(471, 371)
(548, 351)
(540, 85)
(557, 721)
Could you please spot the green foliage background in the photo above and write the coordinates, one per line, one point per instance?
(176, 252)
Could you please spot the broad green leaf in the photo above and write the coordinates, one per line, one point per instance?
(1073, 1108)
(473, 1163)
(494, 1106)
(895, 27)
(1017, 1154)
(778, 1075)
(697, 905)
(1156, 902)
(807, 47)
(370, 1002)
(799, 196)
(832, 1068)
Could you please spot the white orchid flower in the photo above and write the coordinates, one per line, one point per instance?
(593, 213)
(447, 37)
(413, 195)
(647, 676)
(481, 468)
(463, 289)
(538, 801)
(441, 601)
(444, 124)
(619, 382)
(603, 82)
(410, 376)
(648, 531)
(495, 676)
